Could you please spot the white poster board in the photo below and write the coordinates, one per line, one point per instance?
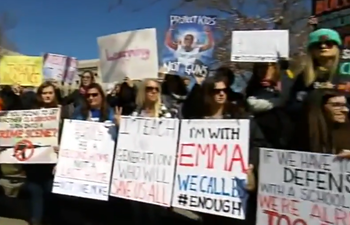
(54, 67)
(302, 188)
(28, 136)
(259, 45)
(145, 160)
(211, 164)
(130, 54)
(85, 160)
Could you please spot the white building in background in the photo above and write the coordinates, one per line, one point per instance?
(90, 64)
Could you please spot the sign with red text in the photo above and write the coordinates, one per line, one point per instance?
(85, 160)
(28, 136)
(302, 188)
(119, 53)
(145, 157)
(211, 167)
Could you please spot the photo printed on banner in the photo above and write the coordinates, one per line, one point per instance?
(189, 45)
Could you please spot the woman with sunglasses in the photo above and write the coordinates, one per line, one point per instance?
(95, 107)
(149, 104)
(321, 65)
(216, 105)
(78, 95)
(149, 101)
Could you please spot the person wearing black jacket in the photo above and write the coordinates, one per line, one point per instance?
(322, 60)
(217, 106)
(78, 95)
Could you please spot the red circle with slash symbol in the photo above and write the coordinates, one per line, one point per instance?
(23, 153)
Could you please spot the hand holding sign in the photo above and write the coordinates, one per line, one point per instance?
(117, 115)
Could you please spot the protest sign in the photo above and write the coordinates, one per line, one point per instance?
(71, 71)
(28, 136)
(22, 70)
(189, 45)
(302, 188)
(259, 45)
(144, 161)
(119, 53)
(54, 67)
(211, 167)
(85, 160)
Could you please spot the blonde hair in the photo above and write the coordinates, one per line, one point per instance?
(309, 72)
(141, 96)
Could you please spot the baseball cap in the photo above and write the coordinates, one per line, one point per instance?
(321, 35)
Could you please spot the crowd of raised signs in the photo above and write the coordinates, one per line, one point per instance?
(165, 151)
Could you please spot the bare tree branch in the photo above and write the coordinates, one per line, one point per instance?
(7, 23)
(237, 15)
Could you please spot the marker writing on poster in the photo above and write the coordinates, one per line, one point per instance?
(190, 154)
(313, 188)
(136, 53)
(201, 70)
(143, 171)
(149, 127)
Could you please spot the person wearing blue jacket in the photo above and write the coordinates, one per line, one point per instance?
(95, 107)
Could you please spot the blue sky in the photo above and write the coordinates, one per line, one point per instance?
(71, 27)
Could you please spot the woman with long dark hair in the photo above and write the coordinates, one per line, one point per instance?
(39, 177)
(216, 105)
(324, 125)
(266, 100)
(95, 106)
(78, 95)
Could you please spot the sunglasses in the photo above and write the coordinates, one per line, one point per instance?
(91, 95)
(328, 44)
(149, 89)
(219, 90)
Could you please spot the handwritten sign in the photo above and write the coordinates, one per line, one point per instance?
(302, 188)
(119, 53)
(28, 136)
(85, 160)
(54, 66)
(211, 167)
(145, 160)
(23, 70)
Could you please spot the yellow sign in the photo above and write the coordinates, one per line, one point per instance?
(22, 70)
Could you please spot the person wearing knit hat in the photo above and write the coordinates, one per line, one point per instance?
(323, 55)
(320, 66)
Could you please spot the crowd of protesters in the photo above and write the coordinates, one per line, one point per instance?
(286, 111)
